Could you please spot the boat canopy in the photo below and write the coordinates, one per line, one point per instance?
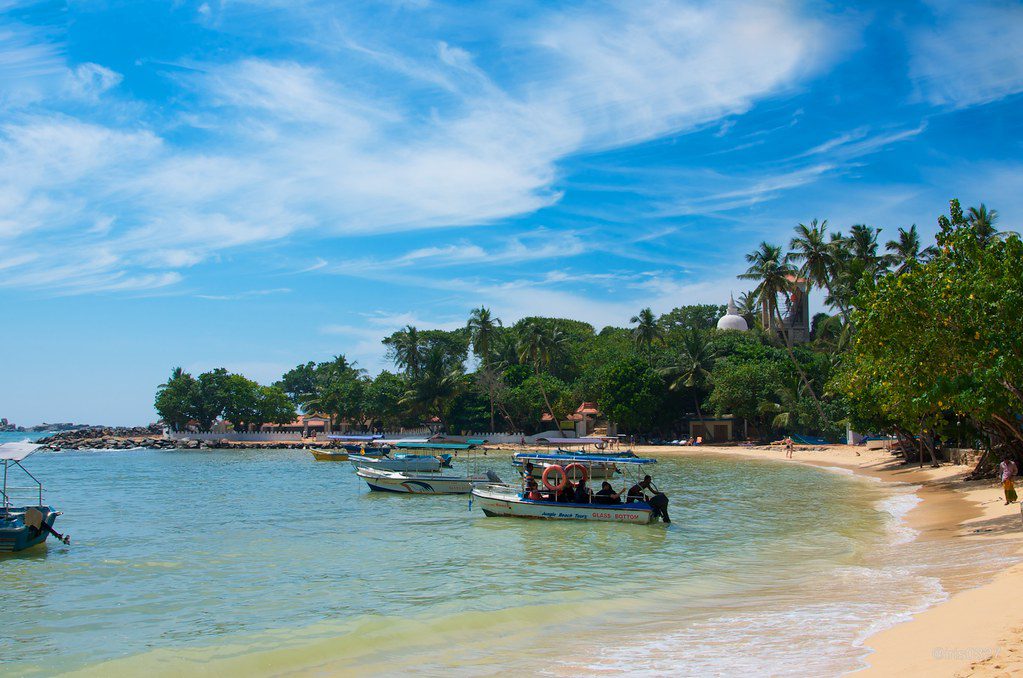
(476, 441)
(355, 438)
(583, 458)
(570, 441)
(16, 451)
(412, 444)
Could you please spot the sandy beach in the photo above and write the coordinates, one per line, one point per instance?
(976, 632)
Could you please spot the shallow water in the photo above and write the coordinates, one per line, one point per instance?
(248, 562)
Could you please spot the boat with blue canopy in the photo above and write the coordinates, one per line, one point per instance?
(416, 445)
(25, 525)
(598, 466)
(559, 499)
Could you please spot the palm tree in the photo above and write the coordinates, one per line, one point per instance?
(647, 331)
(693, 371)
(482, 327)
(817, 254)
(906, 252)
(407, 349)
(538, 342)
(863, 241)
(749, 307)
(437, 383)
(775, 275)
(784, 407)
(983, 222)
(176, 373)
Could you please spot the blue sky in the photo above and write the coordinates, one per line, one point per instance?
(254, 184)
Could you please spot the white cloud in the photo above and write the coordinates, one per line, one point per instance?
(972, 53)
(304, 146)
(88, 81)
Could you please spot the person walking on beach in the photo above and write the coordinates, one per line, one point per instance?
(1009, 470)
(788, 447)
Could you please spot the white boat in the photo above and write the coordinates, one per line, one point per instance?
(511, 501)
(598, 466)
(422, 483)
(507, 500)
(397, 462)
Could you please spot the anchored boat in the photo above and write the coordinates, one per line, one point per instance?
(507, 500)
(422, 483)
(23, 526)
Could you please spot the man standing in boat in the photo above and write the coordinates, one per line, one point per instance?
(658, 500)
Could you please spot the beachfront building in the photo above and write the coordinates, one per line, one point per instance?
(732, 320)
(306, 424)
(715, 429)
(585, 421)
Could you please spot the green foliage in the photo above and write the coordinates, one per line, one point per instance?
(695, 317)
(299, 381)
(630, 392)
(943, 339)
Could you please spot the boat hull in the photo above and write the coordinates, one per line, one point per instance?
(329, 455)
(407, 464)
(415, 483)
(507, 504)
(15, 535)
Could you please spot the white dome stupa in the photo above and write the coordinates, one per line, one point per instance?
(732, 320)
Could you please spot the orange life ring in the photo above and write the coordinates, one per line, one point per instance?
(586, 475)
(547, 483)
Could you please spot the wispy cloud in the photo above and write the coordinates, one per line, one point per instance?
(315, 146)
(971, 54)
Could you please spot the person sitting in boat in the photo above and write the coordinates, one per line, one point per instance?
(532, 491)
(606, 495)
(638, 491)
(582, 493)
(567, 495)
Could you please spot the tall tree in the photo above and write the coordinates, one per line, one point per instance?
(647, 330)
(905, 253)
(811, 247)
(405, 349)
(983, 220)
(693, 371)
(482, 326)
(774, 276)
(175, 399)
(538, 342)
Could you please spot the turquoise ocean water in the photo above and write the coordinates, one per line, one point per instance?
(267, 562)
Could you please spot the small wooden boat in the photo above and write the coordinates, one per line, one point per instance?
(24, 526)
(422, 483)
(328, 454)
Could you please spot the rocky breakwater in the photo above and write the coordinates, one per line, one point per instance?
(106, 438)
(126, 438)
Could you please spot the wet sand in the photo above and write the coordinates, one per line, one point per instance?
(976, 632)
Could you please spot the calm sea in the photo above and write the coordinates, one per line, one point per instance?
(267, 562)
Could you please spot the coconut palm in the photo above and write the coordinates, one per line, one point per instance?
(748, 307)
(407, 349)
(817, 254)
(697, 358)
(983, 222)
(437, 383)
(905, 253)
(647, 330)
(538, 343)
(775, 277)
(482, 327)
